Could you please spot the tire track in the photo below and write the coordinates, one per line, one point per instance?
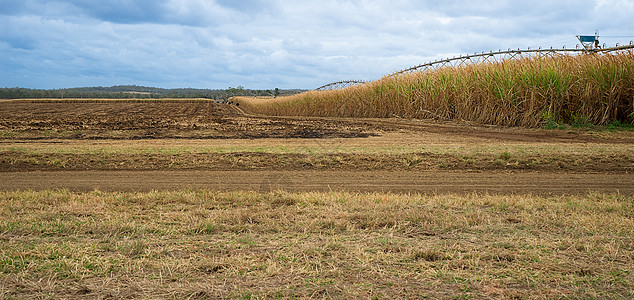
(304, 181)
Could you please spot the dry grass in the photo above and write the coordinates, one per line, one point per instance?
(316, 155)
(578, 90)
(197, 244)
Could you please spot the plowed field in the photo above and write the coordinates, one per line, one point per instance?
(144, 120)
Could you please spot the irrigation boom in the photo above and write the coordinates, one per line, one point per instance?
(491, 56)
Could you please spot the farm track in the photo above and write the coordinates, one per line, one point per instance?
(150, 125)
(324, 181)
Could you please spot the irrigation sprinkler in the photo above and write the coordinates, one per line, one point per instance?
(589, 42)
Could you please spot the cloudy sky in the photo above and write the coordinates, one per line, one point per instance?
(263, 44)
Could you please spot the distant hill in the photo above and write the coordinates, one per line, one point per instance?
(135, 91)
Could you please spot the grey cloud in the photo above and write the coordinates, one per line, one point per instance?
(249, 6)
(123, 11)
(508, 8)
(15, 7)
(185, 12)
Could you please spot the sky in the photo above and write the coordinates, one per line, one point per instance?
(260, 44)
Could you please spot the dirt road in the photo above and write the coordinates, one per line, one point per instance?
(296, 181)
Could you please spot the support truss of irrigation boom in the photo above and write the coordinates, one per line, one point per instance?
(339, 85)
(500, 55)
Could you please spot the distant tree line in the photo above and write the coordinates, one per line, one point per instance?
(138, 92)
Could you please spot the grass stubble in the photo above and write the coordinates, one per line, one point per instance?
(202, 243)
(388, 152)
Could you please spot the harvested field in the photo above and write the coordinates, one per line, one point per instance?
(245, 245)
(193, 199)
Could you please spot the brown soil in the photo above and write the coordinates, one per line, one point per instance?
(152, 120)
(300, 181)
(200, 120)
(118, 124)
